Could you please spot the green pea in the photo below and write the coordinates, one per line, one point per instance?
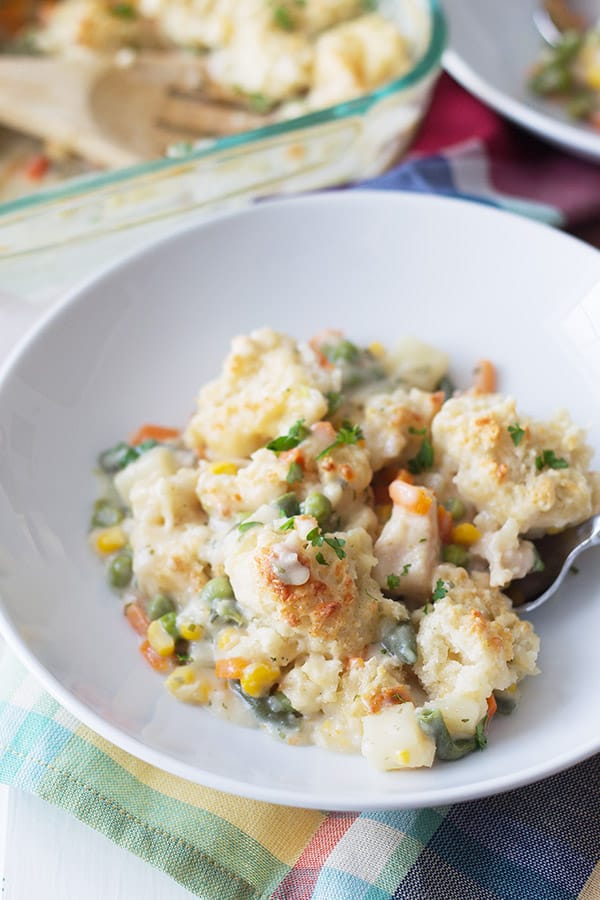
(117, 457)
(317, 505)
(402, 643)
(169, 623)
(159, 606)
(225, 609)
(432, 723)
(216, 587)
(288, 504)
(553, 78)
(456, 508)
(456, 555)
(120, 569)
(106, 514)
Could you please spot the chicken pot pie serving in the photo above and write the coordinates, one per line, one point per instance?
(323, 548)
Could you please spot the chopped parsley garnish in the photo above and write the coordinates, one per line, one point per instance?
(288, 441)
(405, 569)
(294, 473)
(336, 545)
(550, 460)
(516, 433)
(345, 351)
(574, 570)
(423, 460)
(259, 103)
(441, 589)
(283, 18)
(334, 401)
(321, 559)
(393, 582)
(419, 431)
(124, 11)
(369, 5)
(245, 526)
(287, 525)
(317, 539)
(348, 434)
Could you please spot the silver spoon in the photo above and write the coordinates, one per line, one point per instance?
(553, 17)
(558, 553)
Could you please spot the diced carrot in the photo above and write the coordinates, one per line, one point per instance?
(389, 697)
(137, 618)
(492, 706)
(485, 377)
(405, 475)
(445, 525)
(37, 167)
(296, 455)
(231, 668)
(154, 432)
(411, 497)
(159, 663)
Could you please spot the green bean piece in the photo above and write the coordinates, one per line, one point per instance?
(288, 504)
(169, 623)
(225, 609)
(553, 78)
(432, 723)
(447, 386)
(146, 445)
(120, 569)
(116, 458)
(458, 556)
(106, 514)
(216, 588)
(456, 508)
(317, 505)
(159, 606)
(275, 709)
(506, 701)
(402, 643)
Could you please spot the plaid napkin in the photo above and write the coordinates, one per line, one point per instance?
(537, 843)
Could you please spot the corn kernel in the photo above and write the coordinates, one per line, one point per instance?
(111, 539)
(258, 679)
(181, 675)
(377, 349)
(223, 468)
(159, 638)
(227, 638)
(191, 631)
(404, 757)
(592, 77)
(465, 534)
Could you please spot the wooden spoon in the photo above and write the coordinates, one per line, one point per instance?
(115, 115)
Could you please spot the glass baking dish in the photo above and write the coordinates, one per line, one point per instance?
(344, 143)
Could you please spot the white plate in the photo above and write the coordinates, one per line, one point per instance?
(135, 343)
(493, 46)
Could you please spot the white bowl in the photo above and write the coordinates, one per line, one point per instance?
(134, 344)
(493, 47)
